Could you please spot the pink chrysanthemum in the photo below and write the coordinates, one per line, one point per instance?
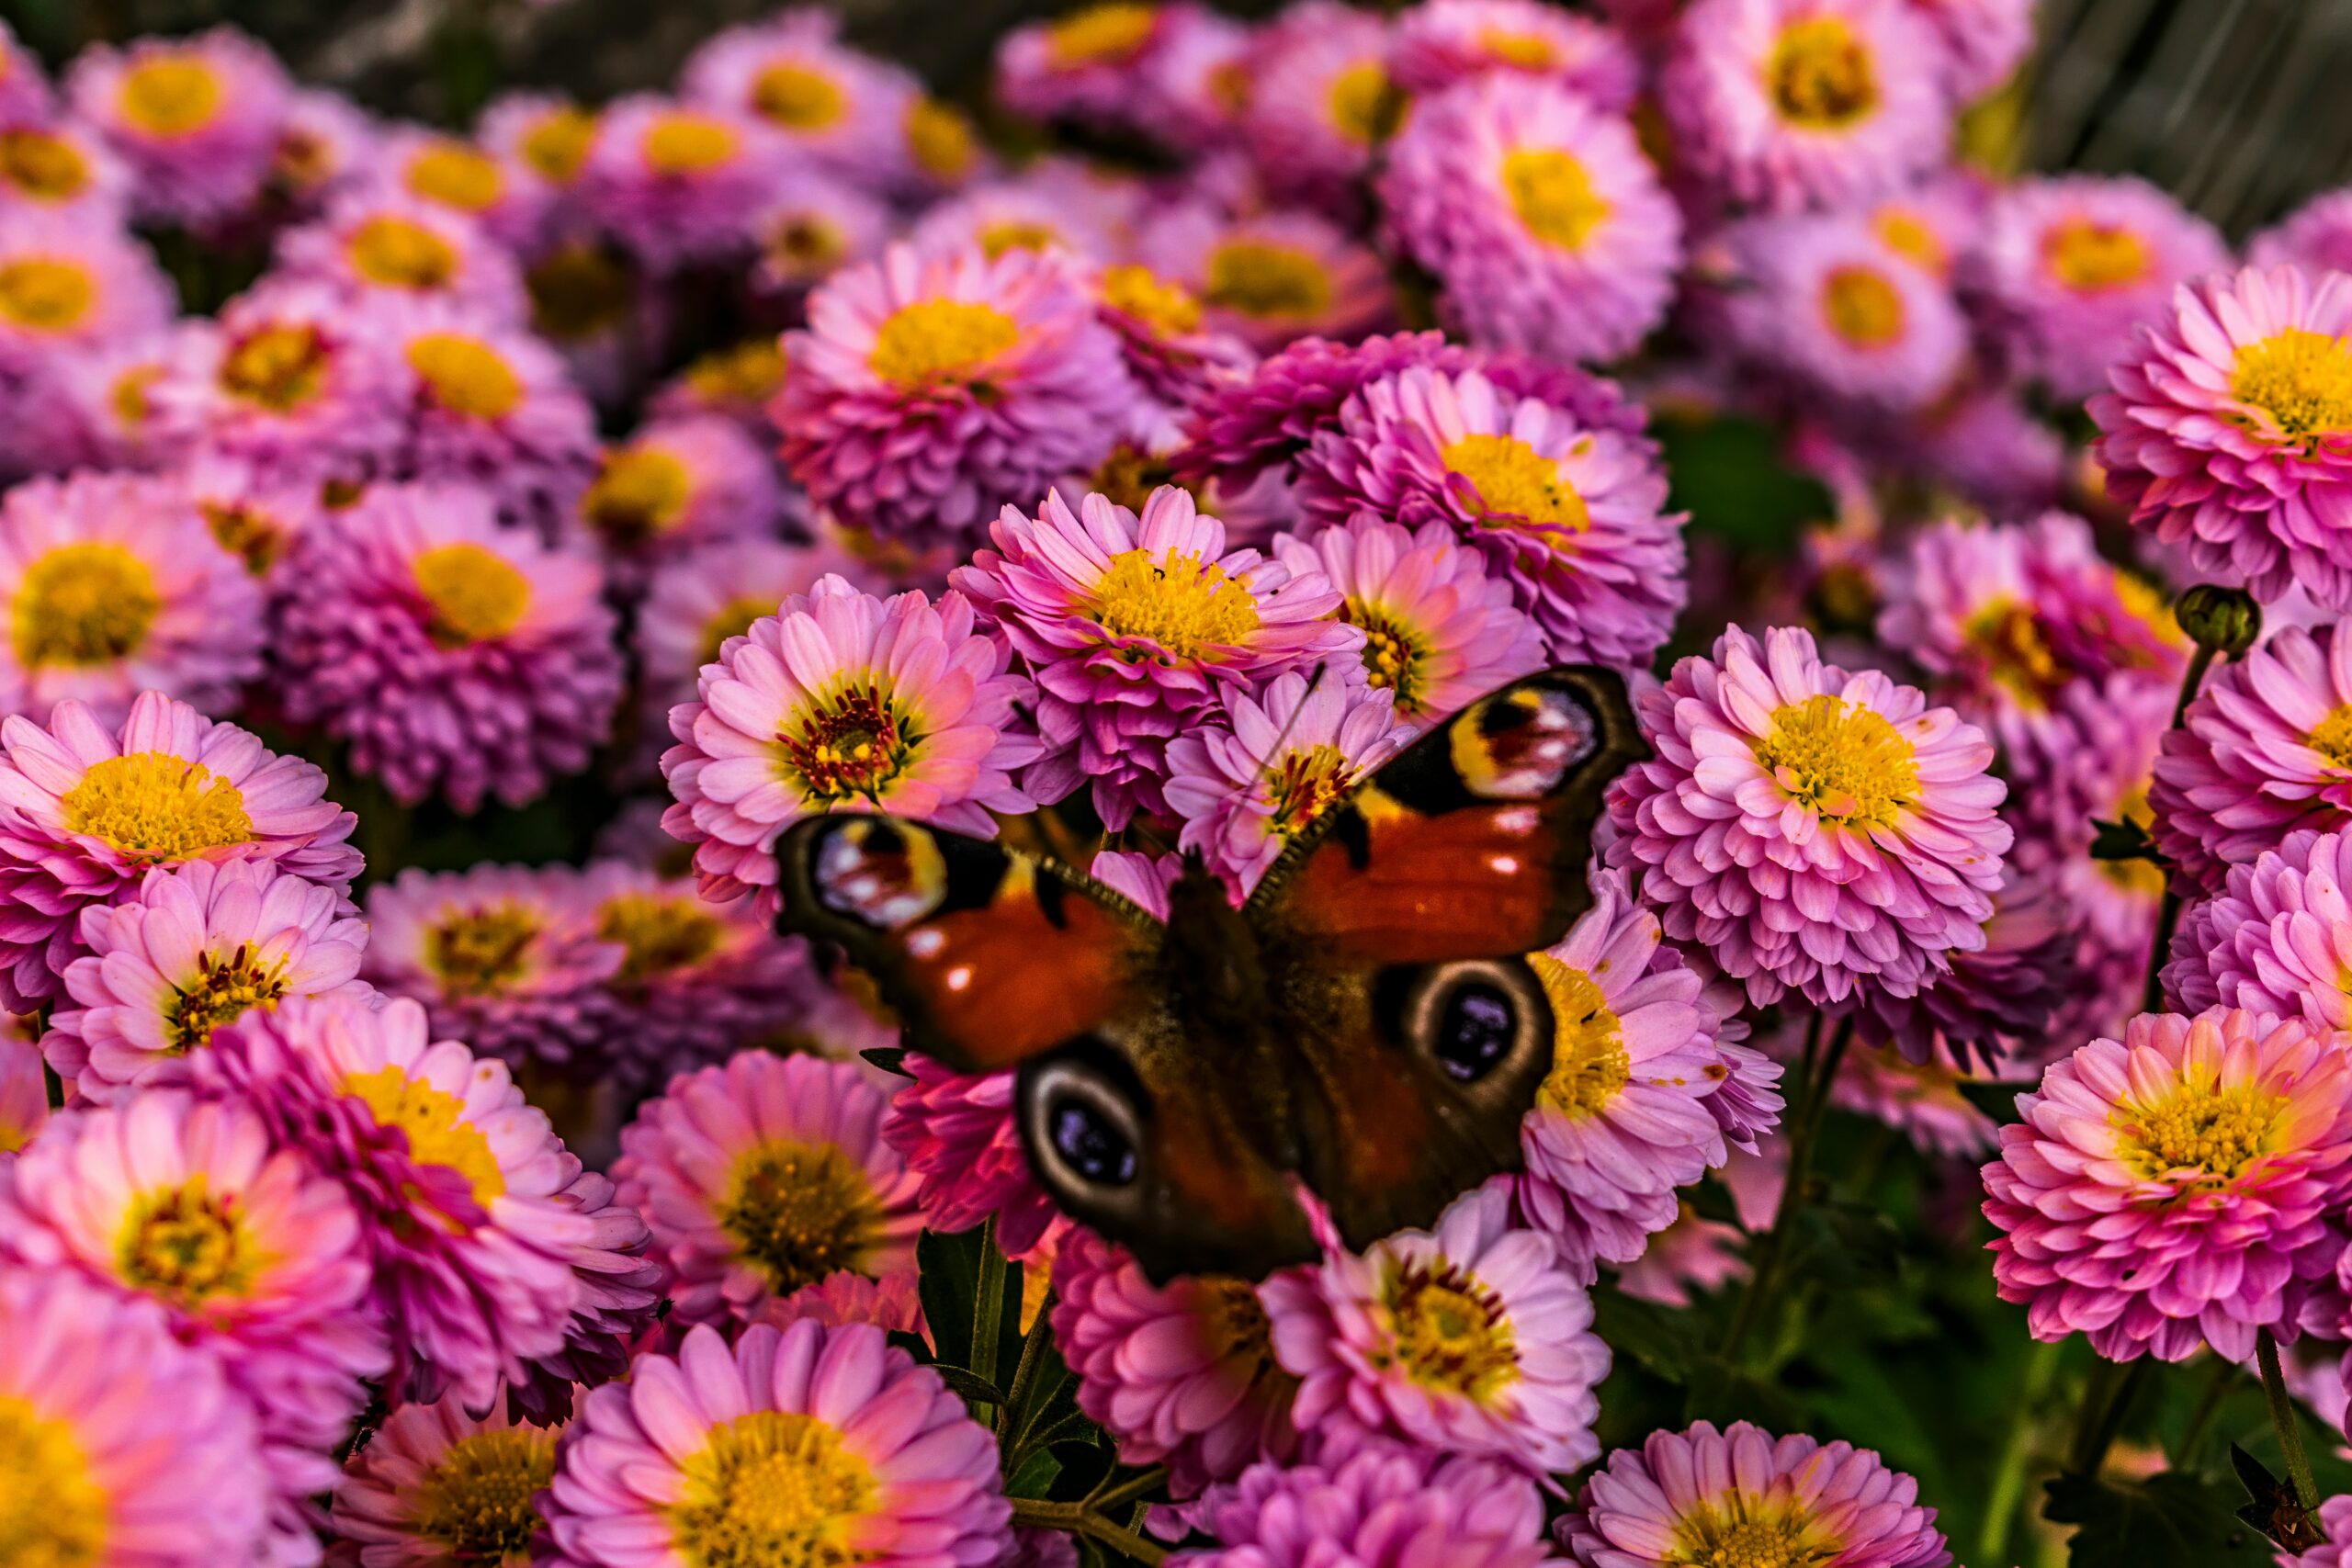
(1474, 1337)
(1824, 301)
(2070, 265)
(437, 1485)
(684, 1461)
(675, 485)
(2174, 1189)
(1056, 204)
(1811, 829)
(694, 603)
(1789, 105)
(1132, 625)
(958, 1134)
(86, 810)
(325, 145)
(24, 1085)
(2278, 940)
(673, 182)
(1692, 1254)
(1984, 42)
(1089, 67)
(839, 107)
(541, 140)
(926, 392)
(1444, 41)
(1374, 1504)
(808, 225)
(252, 509)
(1987, 444)
(390, 242)
(508, 194)
(893, 1304)
(1270, 277)
(135, 1449)
(1545, 228)
(1571, 512)
(66, 284)
(94, 408)
(2265, 749)
(454, 654)
(25, 91)
(193, 948)
(2316, 236)
(841, 701)
(115, 586)
(1998, 1000)
(1261, 772)
(1169, 349)
(1320, 103)
(1922, 1100)
(197, 118)
(1740, 1494)
(61, 167)
(764, 1178)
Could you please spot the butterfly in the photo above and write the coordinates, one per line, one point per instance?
(1365, 1022)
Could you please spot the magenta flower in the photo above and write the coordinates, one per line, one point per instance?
(1089, 67)
(1271, 277)
(1169, 349)
(60, 166)
(1320, 103)
(1984, 42)
(1922, 1100)
(1692, 1254)
(24, 1087)
(676, 485)
(197, 118)
(1998, 1000)
(1445, 41)
(675, 182)
(94, 407)
(435, 1484)
(506, 191)
(2316, 237)
(1374, 1504)
(696, 602)
(1827, 303)
(841, 109)
(808, 225)
(956, 1132)
(391, 243)
(68, 284)
(2277, 940)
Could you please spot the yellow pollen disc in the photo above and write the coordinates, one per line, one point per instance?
(129, 396)
(483, 949)
(1267, 282)
(250, 536)
(1912, 237)
(1590, 1065)
(1749, 1532)
(152, 805)
(1554, 196)
(2302, 380)
(226, 987)
(771, 1489)
(302, 161)
(1138, 291)
(659, 935)
(1528, 52)
(2203, 1128)
(807, 244)
(1186, 604)
(749, 373)
(1015, 235)
(455, 174)
(733, 620)
(1311, 784)
(53, 1513)
(172, 94)
(279, 367)
(42, 166)
(558, 143)
(437, 1133)
(1447, 1330)
(1394, 652)
(641, 492)
(2006, 635)
(1861, 304)
(185, 1246)
(1512, 480)
(46, 296)
(1365, 105)
(1847, 765)
(465, 374)
(798, 99)
(682, 144)
(940, 141)
(578, 290)
(849, 744)
(85, 604)
(475, 1501)
(799, 1211)
(2332, 737)
(475, 595)
(396, 253)
(934, 340)
(2091, 258)
(1821, 75)
(1101, 33)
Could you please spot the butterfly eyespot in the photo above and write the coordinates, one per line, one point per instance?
(885, 875)
(1484, 1021)
(1475, 1031)
(1080, 1121)
(1522, 744)
(1089, 1144)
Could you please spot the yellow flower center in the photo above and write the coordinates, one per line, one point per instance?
(1512, 480)
(849, 745)
(1393, 652)
(475, 1501)
(1101, 33)
(152, 805)
(771, 1489)
(1746, 1532)
(303, 160)
(185, 1245)
(2008, 637)
(806, 244)
(1016, 234)
(749, 373)
(639, 492)
(129, 396)
(46, 296)
(940, 141)
(558, 143)
(2332, 737)
(474, 595)
(1846, 764)
(225, 989)
(2143, 880)
(1528, 52)
(1447, 1330)
(171, 94)
(2200, 1127)
(1140, 292)
(280, 368)
(1184, 603)
(52, 1513)
(1909, 235)
(578, 290)
(1267, 282)
(1821, 75)
(396, 253)
(42, 166)
(1554, 196)
(659, 935)
(799, 1211)
(251, 536)
(933, 340)
(465, 374)
(2301, 379)
(1862, 306)
(733, 620)
(1365, 105)
(85, 604)
(798, 99)
(1311, 783)
(457, 176)
(482, 951)
(2090, 257)
(437, 1134)
(683, 143)
(1590, 1065)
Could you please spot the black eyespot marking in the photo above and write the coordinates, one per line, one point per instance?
(1092, 1146)
(1485, 1024)
(1082, 1114)
(1474, 1031)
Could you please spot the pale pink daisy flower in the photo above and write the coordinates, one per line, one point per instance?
(197, 118)
(2316, 236)
(694, 603)
(1444, 41)
(1056, 204)
(1824, 301)
(254, 511)
(541, 140)
(388, 242)
(1999, 1000)
(1196, 82)
(809, 225)
(66, 284)
(24, 1085)
(673, 181)
(1320, 103)
(675, 485)
(958, 1137)
(940, 148)
(324, 146)
(506, 194)
(1169, 349)
(892, 1303)
(1089, 66)
(437, 1485)
(60, 166)
(1374, 1504)
(94, 407)
(25, 90)
(838, 107)
(2277, 940)
(1271, 276)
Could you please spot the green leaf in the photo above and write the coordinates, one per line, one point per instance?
(1729, 475)
(2126, 840)
(2272, 1507)
(1035, 1477)
(2173, 1520)
(1656, 1339)
(972, 1388)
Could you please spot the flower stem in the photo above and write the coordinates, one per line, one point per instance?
(1079, 1519)
(2107, 1401)
(1807, 1112)
(2285, 1421)
(989, 1309)
(2009, 1481)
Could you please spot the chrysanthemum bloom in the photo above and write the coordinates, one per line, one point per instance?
(485, 1244)
(391, 242)
(508, 196)
(252, 1254)
(2278, 940)
(673, 182)
(24, 1085)
(1788, 105)
(453, 653)
(66, 284)
(93, 407)
(740, 381)
(1132, 625)
(1444, 41)
(694, 603)
(1988, 446)
(25, 92)
(808, 225)
(675, 485)
(192, 948)
(1169, 349)
(86, 810)
(115, 586)
(1922, 1100)
(1535, 210)
(61, 167)
(1271, 277)
(1811, 830)
(2070, 265)
(840, 107)
(1572, 513)
(807, 1442)
(254, 511)
(1984, 42)
(1374, 1503)
(125, 1446)
(2209, 1153)
(1825, 303)
(893, 1304)
(1056, 204)
(1998, 1000)
(1089, 67)
(1319, 102)
(1742, 1496)
(437, 1485)
(762, 1178)
(2316, 236)
(958, 1134)
(325, 145)
(1693, 1254)
(541, 138)
(2266, 750)
(197, 118)
(1196, 79)
(840, 701)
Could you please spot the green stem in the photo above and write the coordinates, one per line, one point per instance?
(2152, 997)
(1081, 1518)
(1139, 1485)
(2200, 1420)
(1013, 1414)
(2008, 1479)
(2285, 1421)
(2107, 1401)
(989, 1310)
(1806, 1114)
